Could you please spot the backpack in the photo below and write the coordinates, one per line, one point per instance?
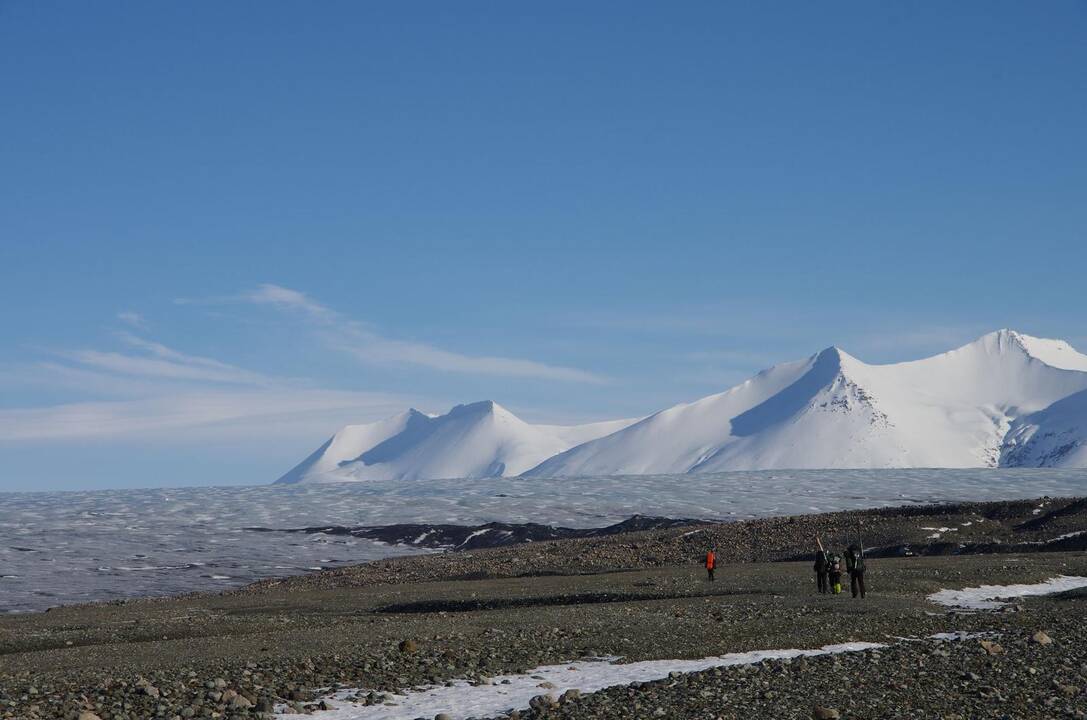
(855, 560)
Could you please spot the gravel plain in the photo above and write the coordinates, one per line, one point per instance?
(412, 622)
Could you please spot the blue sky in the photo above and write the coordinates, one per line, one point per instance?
(228, 228)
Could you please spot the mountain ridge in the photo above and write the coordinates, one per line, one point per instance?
(1005, 399)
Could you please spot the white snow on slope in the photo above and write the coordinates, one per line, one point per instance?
(1006, 399)
(834, 411)
(1053, 437)
(990, 597)
(1055, 353)
(348, 444)
(462, 700)
(470, 441)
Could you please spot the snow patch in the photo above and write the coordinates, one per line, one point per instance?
(462, 700)
(992, 597)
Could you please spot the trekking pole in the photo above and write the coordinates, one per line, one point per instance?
(860, 544)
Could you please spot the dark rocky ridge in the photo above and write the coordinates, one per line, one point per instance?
(1018, 526)
(488, 535)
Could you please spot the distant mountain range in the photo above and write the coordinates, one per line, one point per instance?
(1004, 400)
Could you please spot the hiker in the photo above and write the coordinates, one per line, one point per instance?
(822, 564)
(834, 570)
(711, 564)
(854, 564)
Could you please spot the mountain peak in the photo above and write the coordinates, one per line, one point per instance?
(481, 408)
(1004, 338)
(832, 353)
(834, 359)
(1055, 353)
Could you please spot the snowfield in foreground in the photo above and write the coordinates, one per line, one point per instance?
(508, 692)
(994, 597)
(1004, 400)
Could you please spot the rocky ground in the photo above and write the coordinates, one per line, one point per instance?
(395, 625)
(1039, 525)
(1016, 674)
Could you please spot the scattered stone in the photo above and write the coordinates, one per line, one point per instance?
(1041, 638)
(825, 713)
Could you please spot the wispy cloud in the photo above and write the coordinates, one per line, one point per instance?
(192, 416)
(160, 361)
(153, 391)
(363, 343)
(288, 299)
(132, 319)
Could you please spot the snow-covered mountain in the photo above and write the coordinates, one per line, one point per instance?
(834, 411)
(1054, 437)
(1005, 399)
(482, 439)
(348, 444)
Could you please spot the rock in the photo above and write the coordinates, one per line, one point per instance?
(88, 715)
(571, 695)
(408, 646)
(443, 716)
(993, 648)
(240, 701)
(1041, 638)
(541, 702)
(1069, 690)
(825, 713)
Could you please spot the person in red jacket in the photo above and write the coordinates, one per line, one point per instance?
(711, 563)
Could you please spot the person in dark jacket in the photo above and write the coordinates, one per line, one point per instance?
(822, 564)
(854, 565)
